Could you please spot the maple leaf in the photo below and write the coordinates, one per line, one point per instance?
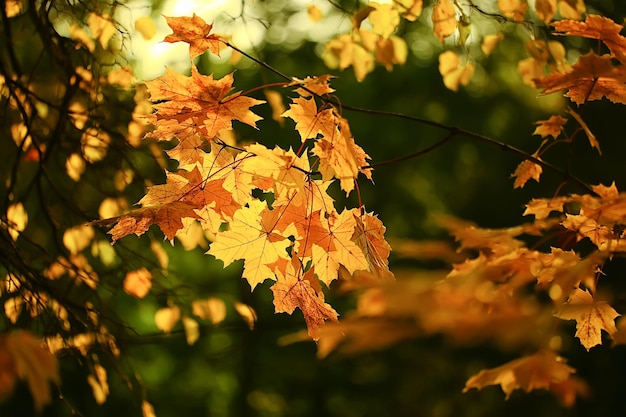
(318, 85)
(564, 271)
(251, 236)
(591, 317)
(591, 78)
(168, 216)
(525, 171)
(369, 235)
(539, 371)
(294, 288)
(595, 27)
(444, 19)
(194, 31)
(235, 170)
(551, 127)
(542, 207)
(310, 123)
(341, 157)
(337, 248)
(197, 104)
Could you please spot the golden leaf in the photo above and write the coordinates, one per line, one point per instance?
(591, 317)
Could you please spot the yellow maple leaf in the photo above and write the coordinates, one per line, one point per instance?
(591, 317)
(252, 239)
(525, 171)
(539, 371)
(551, 127)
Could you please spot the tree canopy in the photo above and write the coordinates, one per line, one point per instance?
(321, 208)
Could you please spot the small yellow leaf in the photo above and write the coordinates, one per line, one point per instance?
(147, 409)
(275, 100)
(545, 9)
(94, 144)
(314, 13)
(145, 25)
(513, 9)
(572, 9)
(78, 238)
(410, 9)
(102, 28)
(162, 257)
(591, 317)
(384, 19)
(13, 8)
(444, 19)
(192, 330)
(138, 283)
(247, 313)
(453, 73)
(213, 309)
(17, 219)
(75, 166)
(551, 127)
(490, 42)
(99, 384)
(166, 317)
(525, 171)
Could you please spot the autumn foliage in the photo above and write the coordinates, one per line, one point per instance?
(273, 208)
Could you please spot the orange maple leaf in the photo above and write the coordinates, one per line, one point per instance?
(525, 171)
(591, 317)
(539, 371)
(197, 104)
(591, 78)
(194, 31)
(295, 288)
(595, 27)
(551, 127)
(318, 85)
(168, 216)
